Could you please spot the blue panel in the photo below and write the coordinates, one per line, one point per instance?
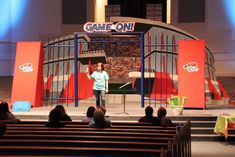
(21, 106)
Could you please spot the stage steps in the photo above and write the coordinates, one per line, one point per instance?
(202, 128)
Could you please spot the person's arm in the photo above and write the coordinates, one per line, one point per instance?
(106, 86)
(88, 73)
(106, 82)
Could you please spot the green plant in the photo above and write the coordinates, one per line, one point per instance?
(176, 101)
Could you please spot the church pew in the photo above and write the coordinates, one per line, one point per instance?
(69, 125)
(121, 138)
(81, 151)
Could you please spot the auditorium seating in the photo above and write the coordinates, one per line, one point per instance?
(76, 138)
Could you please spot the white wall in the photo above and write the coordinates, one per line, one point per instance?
(218, 32)
(41, 19)
(5, 36)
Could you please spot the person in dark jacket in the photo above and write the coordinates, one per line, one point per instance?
(55, 118)
(65, 117)
(89, 115)
(99, 120)
(6, 115)
(148, 118)
(161, 113)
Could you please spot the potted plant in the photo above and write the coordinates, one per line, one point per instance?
(177, 104)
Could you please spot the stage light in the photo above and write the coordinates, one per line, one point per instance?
(100, 10)
(11, 11)
(229, 8)
(17, 10)
(5, 16)
(168, 11)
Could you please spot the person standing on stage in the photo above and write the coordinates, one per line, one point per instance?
(100, 86)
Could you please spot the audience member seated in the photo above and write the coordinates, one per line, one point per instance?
(148, 118)
(2, 129)
(104, 110)
(55, 117)
(99, 120)
(161, 113)
(89, 115)
(6, 115)
(65, 117)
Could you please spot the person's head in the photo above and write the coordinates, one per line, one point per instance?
(161, 112)
(90, 111)
(55, 115)
(100, 66)
(61, 108)
(148, 111)
(99, 116)
(4, 107)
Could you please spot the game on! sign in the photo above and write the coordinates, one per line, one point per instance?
(108, 27)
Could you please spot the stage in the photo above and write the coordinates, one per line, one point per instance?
(114, 106)
(115, 109)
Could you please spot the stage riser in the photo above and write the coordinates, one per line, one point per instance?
(208, 138)
(202, 131)
(231, 139)
(203, 124)
(193, 118)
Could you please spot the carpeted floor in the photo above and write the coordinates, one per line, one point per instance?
(212, 149)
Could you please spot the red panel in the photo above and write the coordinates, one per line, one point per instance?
(212, 89)
(80, 48)
(222, 90)
(67, 68)
(48, 84)
(163, 88)
(28, 82)
(138, 65)
(85, 89)
(164, 63)
(162, 41)
(191, 65)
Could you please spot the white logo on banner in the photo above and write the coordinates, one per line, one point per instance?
(191, 67)
(26, 67)
(108, 27)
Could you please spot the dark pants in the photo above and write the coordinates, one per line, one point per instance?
(99, 96)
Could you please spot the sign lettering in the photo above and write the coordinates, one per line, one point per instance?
(108, 27)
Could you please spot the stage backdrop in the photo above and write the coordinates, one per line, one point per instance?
(27, 82)
(191, 65)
